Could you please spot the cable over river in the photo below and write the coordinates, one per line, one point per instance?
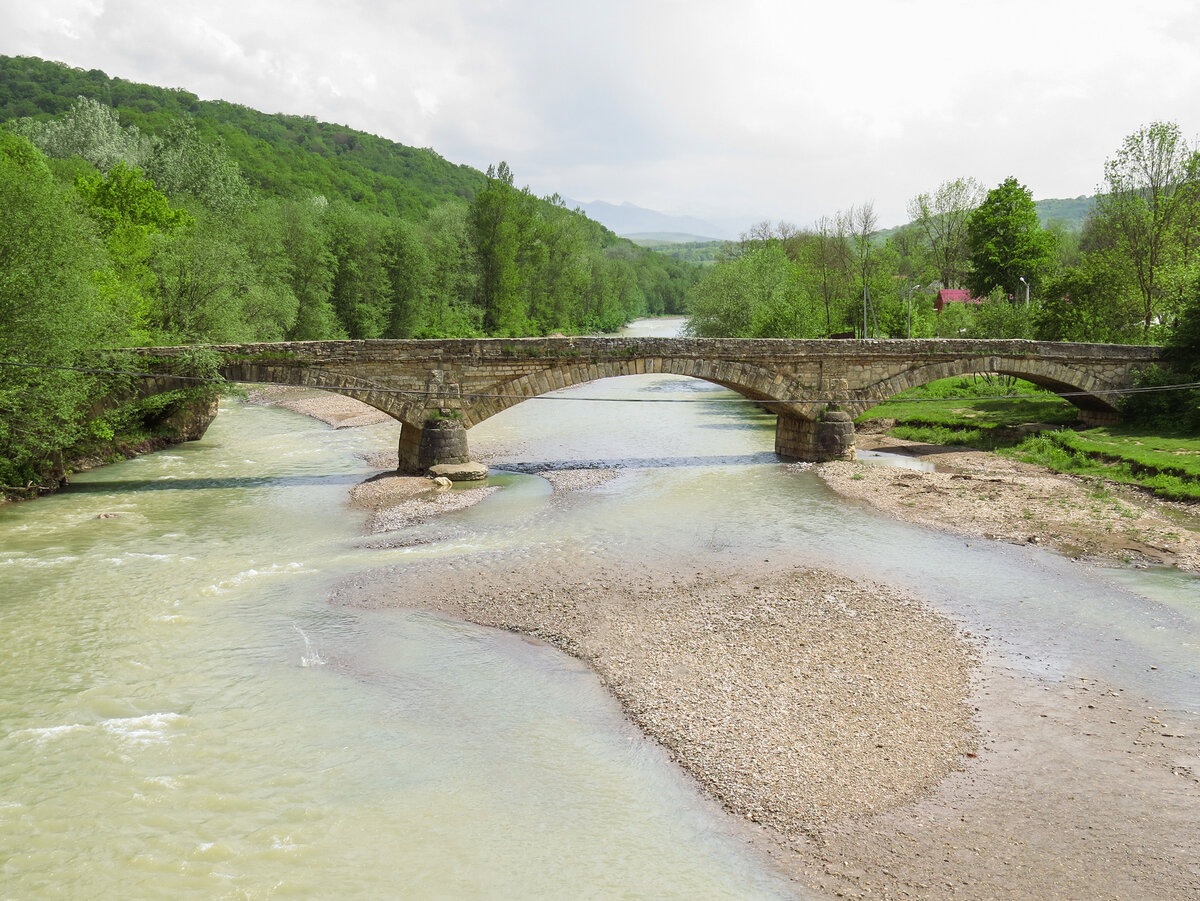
(184, 714)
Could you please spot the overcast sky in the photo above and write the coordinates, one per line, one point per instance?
(779, 109)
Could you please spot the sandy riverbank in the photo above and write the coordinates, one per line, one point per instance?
(985, 495)
(865, 743)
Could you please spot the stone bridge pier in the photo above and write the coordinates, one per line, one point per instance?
(438, 390)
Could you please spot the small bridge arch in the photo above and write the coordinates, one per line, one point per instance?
(1077, 386)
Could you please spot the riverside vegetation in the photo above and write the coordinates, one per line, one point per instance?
(136, 215)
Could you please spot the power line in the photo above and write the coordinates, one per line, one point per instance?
(415, 393)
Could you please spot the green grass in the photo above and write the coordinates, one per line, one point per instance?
(1054, 451)
(975, 404)
(965, 411)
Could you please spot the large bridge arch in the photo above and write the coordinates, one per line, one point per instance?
(750, 381)
(404, 410)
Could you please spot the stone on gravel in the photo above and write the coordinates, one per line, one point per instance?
(459, 472)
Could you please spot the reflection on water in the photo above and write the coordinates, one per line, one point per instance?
(899, 461)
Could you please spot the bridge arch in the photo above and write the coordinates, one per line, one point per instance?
(751, 381)
(1087, 390)
(403, 410)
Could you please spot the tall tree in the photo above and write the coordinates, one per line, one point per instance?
(1007, 242)
(941, 217)
(503, 220)
(863, 225)
(1148, 187)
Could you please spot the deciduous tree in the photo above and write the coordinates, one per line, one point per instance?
(1007, 242)
(942, 216)
(1148, 187)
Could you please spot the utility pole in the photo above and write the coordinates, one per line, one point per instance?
(910, 294)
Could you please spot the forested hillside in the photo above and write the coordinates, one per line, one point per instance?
(136, 215)
(289, 156)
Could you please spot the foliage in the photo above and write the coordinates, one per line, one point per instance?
(1089, 302)
(1010, 251)
(942, 217)
(50, 314)
(1147, 219)
(757, 295)
(89, 130)
(997, 318)
(125, 197)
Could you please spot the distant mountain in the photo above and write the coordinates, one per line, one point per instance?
(650, 228)
(1072, 212)
(627, 219)
(663, 239)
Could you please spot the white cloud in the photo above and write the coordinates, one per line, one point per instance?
(762, 108)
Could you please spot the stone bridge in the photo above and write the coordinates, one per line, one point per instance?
(437, 389)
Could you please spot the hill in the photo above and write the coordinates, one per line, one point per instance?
(1072, 212)
(288, 156)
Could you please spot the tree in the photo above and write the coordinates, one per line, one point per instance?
(360, 291)
(1093, 301)
(863, 224)
(502, 219)
(942, 219)
(183, 164)
(50, 314)
(88, 130)
(758, 294)
(1149, 186)
(1007, 242)
(452, 274)
(830, 259)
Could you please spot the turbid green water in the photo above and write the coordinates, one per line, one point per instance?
(182, 713)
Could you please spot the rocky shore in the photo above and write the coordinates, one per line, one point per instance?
(796, 697)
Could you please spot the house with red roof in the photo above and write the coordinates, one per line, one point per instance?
(954, 295)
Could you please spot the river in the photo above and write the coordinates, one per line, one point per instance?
(183, 714)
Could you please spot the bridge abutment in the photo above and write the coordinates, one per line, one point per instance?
(815, 440)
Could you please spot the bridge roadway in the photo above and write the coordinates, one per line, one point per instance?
(437, 389)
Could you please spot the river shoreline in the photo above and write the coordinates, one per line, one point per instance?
(869, 755)
(985, 495)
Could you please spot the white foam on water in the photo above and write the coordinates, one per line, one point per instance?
(310, 657)
(141, 730)
(33, 561)
(46, 733)
(249, 575)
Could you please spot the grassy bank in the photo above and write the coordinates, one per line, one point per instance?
(1021, 420)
